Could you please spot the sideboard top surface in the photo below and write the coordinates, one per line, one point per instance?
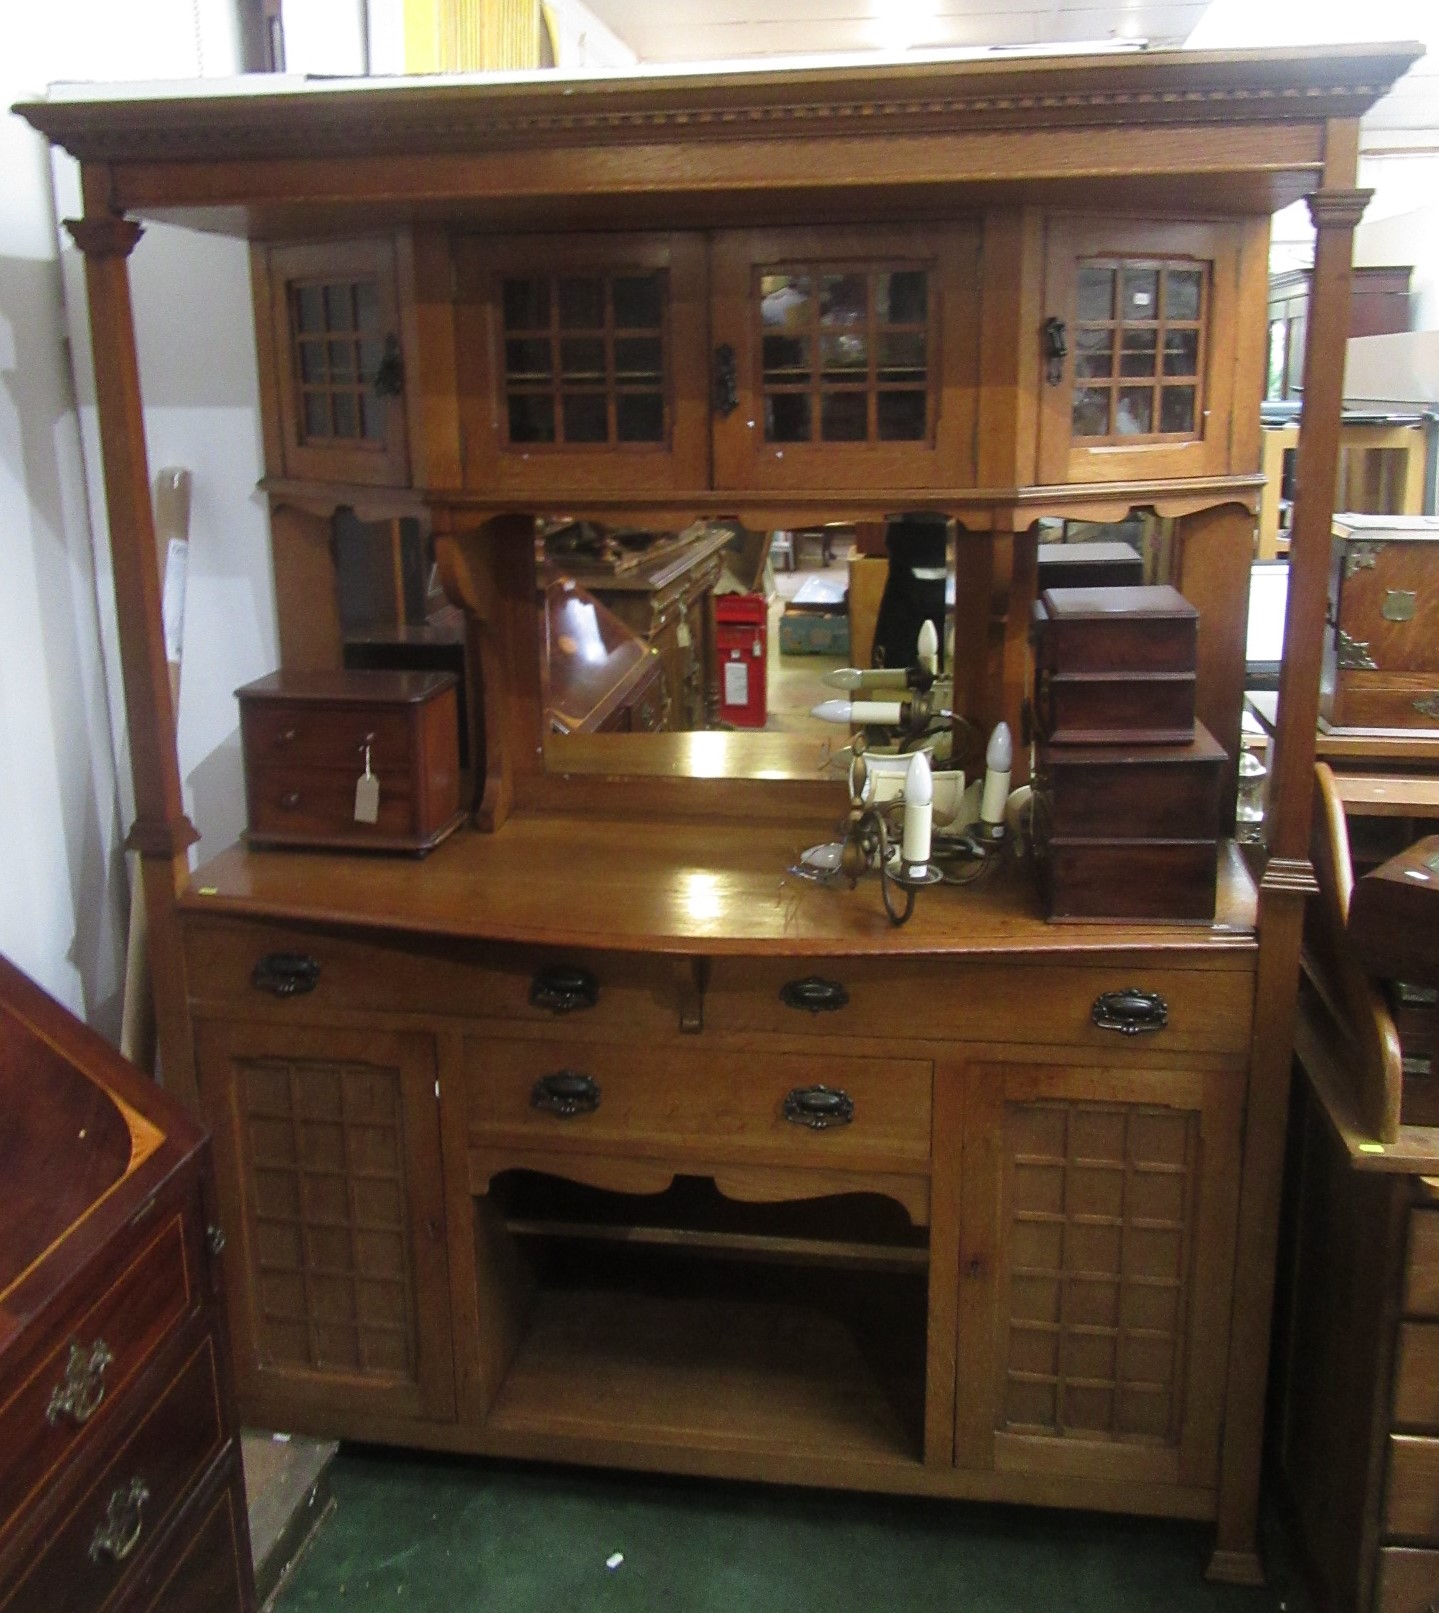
(701, 887)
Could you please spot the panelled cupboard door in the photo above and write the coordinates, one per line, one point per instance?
(327, 1149)
(1147, 315)
(336, 361)
(1096, 1259)
(845, 357)
(581, 363)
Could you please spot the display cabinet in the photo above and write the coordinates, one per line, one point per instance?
(665, 1158)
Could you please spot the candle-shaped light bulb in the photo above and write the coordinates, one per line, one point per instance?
(918, 813)
(928, 647)
(998, 760)
(853, 677)
(885, 712)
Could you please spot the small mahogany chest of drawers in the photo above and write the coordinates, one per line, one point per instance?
(120, 1477)
(311, 738)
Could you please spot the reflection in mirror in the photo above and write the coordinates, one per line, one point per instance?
(721, 631)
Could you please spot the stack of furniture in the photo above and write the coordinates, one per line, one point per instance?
(120, 1479)
(1356, 1427)
(537, 1165)
(1127, 784)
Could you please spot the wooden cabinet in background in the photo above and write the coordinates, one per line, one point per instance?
(119, 1453)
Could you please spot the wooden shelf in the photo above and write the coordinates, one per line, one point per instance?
(722, 1374)
(737, 1245)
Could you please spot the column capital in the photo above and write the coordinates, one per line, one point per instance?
(105, 235)
(155, 837)
(1339, 209)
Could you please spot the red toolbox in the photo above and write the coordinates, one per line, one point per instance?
(742, 658)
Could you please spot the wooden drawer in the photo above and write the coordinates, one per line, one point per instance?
(309, 801)
(1416, 1376)
(635, 996)
(1411, 1489)
(330, 736)
(1207, 1010)
(1421, 1264)
(209, 1572)
(1407, 1580)
(132, 1497)
(60, 1410)
(701, 1106)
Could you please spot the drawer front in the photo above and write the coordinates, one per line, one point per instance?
(330, 736)
(1101, 709)
(612, 994)
(210, 1574)
(1385, 700)
(1206, 1010)
(310, 801)
(1407, 1580)
(95, 1550)
(1411, 1489)
(1416, 1376)
(67, 1403)
(872, 1114)
(1421, 1264)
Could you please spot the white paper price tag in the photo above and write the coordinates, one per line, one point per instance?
(367, 794)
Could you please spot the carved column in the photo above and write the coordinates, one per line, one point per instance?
(161, 832)
(1288, 880)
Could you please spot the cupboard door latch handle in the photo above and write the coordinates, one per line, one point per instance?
(726, 381)
(389, 379)
(818, 1107)
(566, 1093)
(1056, 349)
(79, 1393)
(286, 974)
(563, 988)
(119, 1535)
(819, 996)
(1130, 1012)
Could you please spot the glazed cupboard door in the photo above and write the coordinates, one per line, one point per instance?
(845, 358)
(331, 354)
(327, 1148)
(581, 363)
(1144, 360)
(1096, 1255)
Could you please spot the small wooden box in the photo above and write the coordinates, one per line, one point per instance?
(1130, 792)
(1394, 915)
(1169, 880)
(1381, 650)
(1114, 666)
(304, 736)
(1140, 630)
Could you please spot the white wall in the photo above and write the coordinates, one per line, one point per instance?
(64, 801)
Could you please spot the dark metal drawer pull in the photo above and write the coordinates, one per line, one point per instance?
(119, 1535)
(79, 1393)
(566, 1093)
(562, 988)
(286, 974)
(818, 1107)
(819, 996)
(1130, 1012)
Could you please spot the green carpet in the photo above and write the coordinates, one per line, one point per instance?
(465, 1536)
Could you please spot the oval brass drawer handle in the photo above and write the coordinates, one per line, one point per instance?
(819, 996)
(119, 1535)
(286, 974)
(1130, 1012)
(566, 1093)
(79, 1393)
(818, 1107)
(563, 988)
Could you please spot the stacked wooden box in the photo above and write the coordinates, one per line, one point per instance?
(1126, 781)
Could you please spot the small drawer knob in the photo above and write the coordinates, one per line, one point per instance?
(1130, 1012)
(818, 1107)
(286, 974)
(79, 1393)
(290, 800)
(566, 1093)
(818, 996)
(119, 1535)
(564, 988)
